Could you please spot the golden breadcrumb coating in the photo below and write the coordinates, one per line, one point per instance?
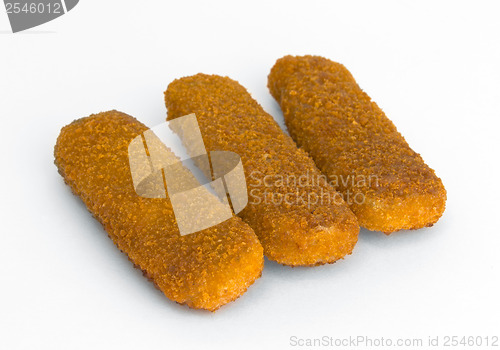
(298, 217)
(355, 145)
(204, 270)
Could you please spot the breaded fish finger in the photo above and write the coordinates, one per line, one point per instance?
(298, 217)
(205, 269)
(355, 145)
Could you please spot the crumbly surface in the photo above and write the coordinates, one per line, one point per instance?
(350, 137)
(297, 223)
(205, 270)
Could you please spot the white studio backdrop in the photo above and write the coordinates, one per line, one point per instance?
(433, 67)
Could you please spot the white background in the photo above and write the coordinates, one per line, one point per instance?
(432, 66)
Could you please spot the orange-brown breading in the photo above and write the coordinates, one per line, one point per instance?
(205, 270)
(298, 217)
(355, 145)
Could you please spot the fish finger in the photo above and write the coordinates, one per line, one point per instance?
(299, 218)
(386, 184)
(205, 269)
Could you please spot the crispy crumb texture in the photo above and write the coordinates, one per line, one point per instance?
(297, 224)
(204, 270)
(350, 139)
